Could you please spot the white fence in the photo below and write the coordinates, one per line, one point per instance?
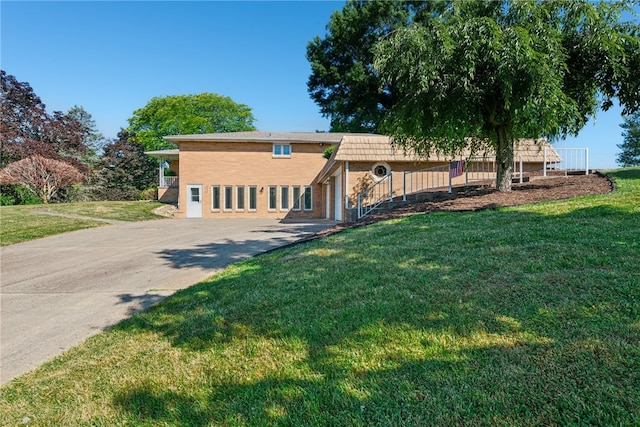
(573, 160)
(425, 179)
(476, 169)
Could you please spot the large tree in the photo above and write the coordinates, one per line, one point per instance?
(27, 129)
(630, 147)
(124, 170)
(187, 114)
(480, 73)
(91, 137)
(343, 82)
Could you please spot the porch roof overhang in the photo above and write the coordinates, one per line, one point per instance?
(164, 154)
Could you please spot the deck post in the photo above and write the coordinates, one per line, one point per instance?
(404, 186)
(586, 162)
(520, 168)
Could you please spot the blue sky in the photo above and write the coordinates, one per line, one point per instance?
(113, 57)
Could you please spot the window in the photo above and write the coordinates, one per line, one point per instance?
(284, 198)
(239, 198)
(273, 192)
(380, 170)
(296, 197)
(281, 150)
(195, 194)
(253, 197)
(215, 197)
(228, 197)
(308, 198)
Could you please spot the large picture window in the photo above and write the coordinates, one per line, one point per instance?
(297, 202)
(215, 197)
(228, 197)
(253, 197)
(273, 193)
(284, 198)
(239, 198)
(308, 198)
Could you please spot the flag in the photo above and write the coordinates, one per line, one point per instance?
(456, 168)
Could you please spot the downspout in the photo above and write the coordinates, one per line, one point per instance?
(346, 184)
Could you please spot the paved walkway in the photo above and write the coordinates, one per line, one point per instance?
(57, 291)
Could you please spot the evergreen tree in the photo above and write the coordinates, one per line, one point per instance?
(630, 154)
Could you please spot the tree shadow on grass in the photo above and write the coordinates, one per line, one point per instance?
(442, 333)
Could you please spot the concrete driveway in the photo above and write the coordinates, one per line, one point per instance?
(57, 291)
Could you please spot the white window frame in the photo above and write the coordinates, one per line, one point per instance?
(309, 189)
(285, 199)
(253, 188)
(281, 150)
(375, 166)
(227, 197)
(274, 206)
(214, 198)
(240, 201)
(297, 200)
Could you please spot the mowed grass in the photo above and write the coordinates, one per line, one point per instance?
(517, 316)
(22, 223)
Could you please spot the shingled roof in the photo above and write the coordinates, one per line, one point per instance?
(371, 148)
(258, 136)
(378, 148)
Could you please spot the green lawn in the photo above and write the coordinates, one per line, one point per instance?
(517, 316)
(21, 223)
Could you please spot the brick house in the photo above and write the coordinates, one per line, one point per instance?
(285, 176)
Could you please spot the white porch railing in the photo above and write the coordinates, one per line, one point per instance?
(374, 196)
(425, 179)
(476, 169)
(169, 181)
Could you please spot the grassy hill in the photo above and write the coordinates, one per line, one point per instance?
(517, 316)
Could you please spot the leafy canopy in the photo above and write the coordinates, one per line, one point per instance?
(630, 147)
(27, 129)
(187, 114)
(343, 82)
(476, 73)
(124, 169)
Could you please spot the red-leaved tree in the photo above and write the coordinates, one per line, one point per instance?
(27, 129)
(41, 175)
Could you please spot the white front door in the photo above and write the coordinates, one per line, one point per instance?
(338, 196)
(194, 201)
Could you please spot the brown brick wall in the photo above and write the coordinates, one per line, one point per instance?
(250, 164)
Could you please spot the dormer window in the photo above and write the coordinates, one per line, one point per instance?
(281, 150)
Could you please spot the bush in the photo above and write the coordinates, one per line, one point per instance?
(149, 194)
(329, 151)
(17, 195)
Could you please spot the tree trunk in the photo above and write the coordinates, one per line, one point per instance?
(504, 159)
